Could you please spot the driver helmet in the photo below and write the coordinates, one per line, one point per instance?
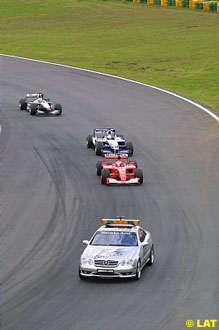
(109, 135)
(119, 162)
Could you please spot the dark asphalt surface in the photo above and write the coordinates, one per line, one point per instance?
(52, 200)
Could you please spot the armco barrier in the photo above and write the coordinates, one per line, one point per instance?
(199, 5)
(213, 6)
(164, 3)
(206, 5)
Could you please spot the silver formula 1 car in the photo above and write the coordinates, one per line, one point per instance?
(118, 249)
(35, 104)
(105, 141)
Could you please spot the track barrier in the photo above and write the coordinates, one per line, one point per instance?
(206, 5)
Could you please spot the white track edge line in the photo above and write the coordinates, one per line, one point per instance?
(121, 78)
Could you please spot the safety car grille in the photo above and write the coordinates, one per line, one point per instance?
(106, 263)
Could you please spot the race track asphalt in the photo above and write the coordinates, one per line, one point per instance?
(52, 200)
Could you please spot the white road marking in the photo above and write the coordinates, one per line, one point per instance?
(121, 78)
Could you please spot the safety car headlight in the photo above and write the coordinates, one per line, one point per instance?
(130, 262)
(90, 262)
(83, 261)
(122, 263)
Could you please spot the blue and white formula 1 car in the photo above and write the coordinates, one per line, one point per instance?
(105, 141)
(35, 104)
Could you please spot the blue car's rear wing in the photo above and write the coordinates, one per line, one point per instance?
(104, 130)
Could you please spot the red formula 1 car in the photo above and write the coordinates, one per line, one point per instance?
(118, 169)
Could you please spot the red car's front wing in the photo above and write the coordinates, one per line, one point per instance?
(129, 181)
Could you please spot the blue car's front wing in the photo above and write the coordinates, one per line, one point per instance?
(118, 152)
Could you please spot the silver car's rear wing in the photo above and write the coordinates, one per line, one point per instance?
(35, 95)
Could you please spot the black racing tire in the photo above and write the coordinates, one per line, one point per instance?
(138, 271)
(33, 109)
(135, 163)
(98, 148)
(23, 104)
(139, 174)
(129, 146)
(99, 167)
(90, 142)
(59, 108)
(105, 173)
(151, 258)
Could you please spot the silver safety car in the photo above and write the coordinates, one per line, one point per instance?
(36, 104)
(120, 248)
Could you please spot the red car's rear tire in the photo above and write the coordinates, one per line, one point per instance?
(105, 173)
(99, 167)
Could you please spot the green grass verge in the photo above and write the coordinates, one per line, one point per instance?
(173, 48)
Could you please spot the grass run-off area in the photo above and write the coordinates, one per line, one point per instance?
(169, 47)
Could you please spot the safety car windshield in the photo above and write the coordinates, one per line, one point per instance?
(115, 238)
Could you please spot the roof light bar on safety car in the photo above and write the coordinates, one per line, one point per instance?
(120, 222)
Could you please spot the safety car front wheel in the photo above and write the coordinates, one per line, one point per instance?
(151, 258)
(138, 271)
(79, 274)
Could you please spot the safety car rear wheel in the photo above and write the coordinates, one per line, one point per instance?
(139, 174)
(105, 173)
(151, 258)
